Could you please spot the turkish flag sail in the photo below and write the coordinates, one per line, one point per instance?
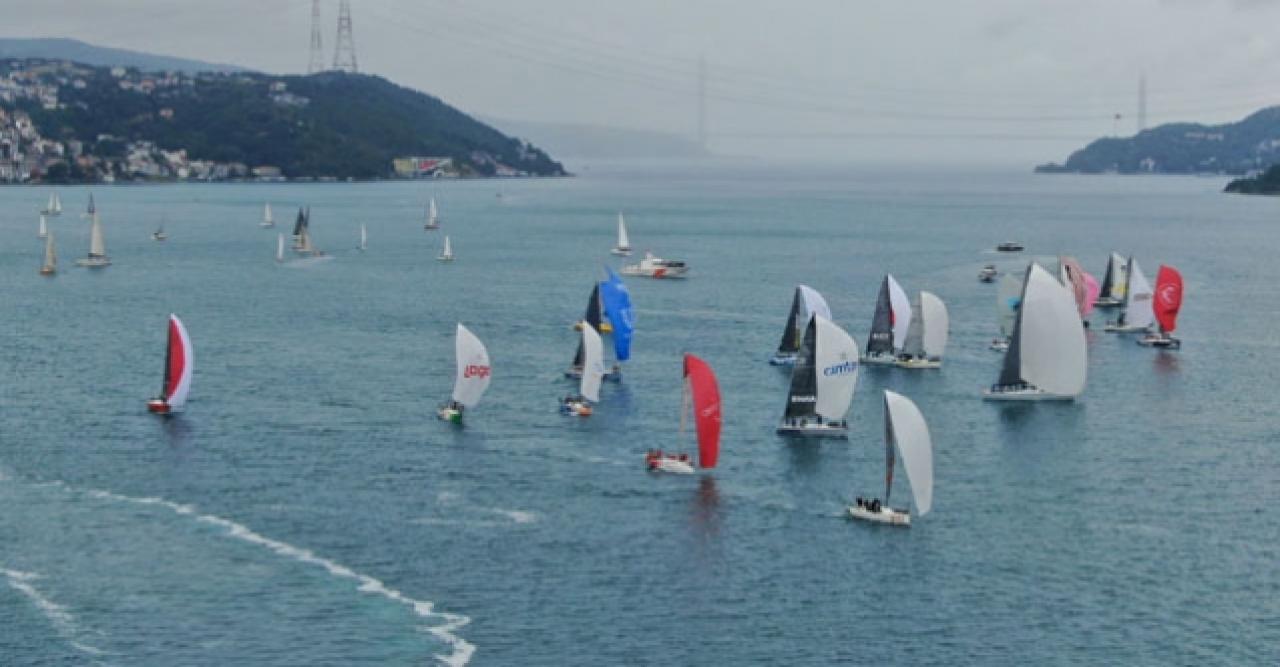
(706, 408)
(1168, 297)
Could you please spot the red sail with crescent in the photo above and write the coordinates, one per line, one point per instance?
(706, 408)
(176, 364)
(1168, 297)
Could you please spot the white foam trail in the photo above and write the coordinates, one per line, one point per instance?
(518, 516)
(462, 649)
(61, 619)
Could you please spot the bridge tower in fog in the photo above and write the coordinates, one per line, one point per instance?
(316, 62)
(344, 50)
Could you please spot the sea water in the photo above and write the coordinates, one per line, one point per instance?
(308, 508)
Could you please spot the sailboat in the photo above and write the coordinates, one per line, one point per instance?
(595, 313)
(1008, 299)
(889, 323)
(433, 216)
(592, 374)
(300, 225)
(1071, 274)
(1168, 301)
(446, 255)
(50, 265)
(701, 395)
(1047, 358)
(472, 377)
(1114, 282)
(302, 243)
(364, 238)
(822, 382)
(279, 247)
(97, 257)
(267, 219)
(1137, 315)
(43, 231)
(926, 335)
(159, 234)
(905, 428)
(616, 300)
(178, 365)
(804, 304)
(54, 207)
(623, 248)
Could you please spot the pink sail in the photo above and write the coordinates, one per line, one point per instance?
(1093, 290)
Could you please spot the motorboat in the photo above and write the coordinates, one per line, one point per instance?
(988, 274)
(1010, 246)
(656, 267)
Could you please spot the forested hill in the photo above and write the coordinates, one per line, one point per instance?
(331, 124)
(1183, 148)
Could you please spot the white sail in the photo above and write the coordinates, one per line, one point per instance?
(178, 397)
(55, 204)
(1008, 297)
(97, 246)
(623, 242)
(814, 304)
(364, 238)
(901, 307)
(267, 220)
(473, 368)
(44, 227)
(280, 247)
(50, 256)
(910, 433)
(1120, 284)
(433, 214)
(935, 323)
(592, 363)
(836, 367)
(1051, 343)
(448, 250)
(1139, 308)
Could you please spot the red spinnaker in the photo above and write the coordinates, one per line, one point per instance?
(706, 408)
(176, 361)
(1168, 297)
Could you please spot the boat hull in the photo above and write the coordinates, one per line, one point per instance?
(880, 359)
(886, 515)
(659, 273)
(158, 406)
(575, 409)
(94, 262)
(999, 345)
(47, 271)
(1111, 327)
(1030, 394)
(444, 259)
(1162, 342)
(813, 430)
(621, 252)
(449, 415)
(1107, 302)
(430, 227)
(670, 464)
(919, 363)
(783, 359)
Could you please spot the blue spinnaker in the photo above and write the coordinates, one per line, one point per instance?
(617, 307)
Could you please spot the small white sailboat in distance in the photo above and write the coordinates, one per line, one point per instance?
(54, 207)
(904, 427)
(822, 382)
(364, 238)
(701, 395)
(280, 247)
(267, 219)
(926, 338)
(472, 378)
(623, 249)
(97, 257)
(433, 215)
(178, 365)
(446, 255)
(592, 375)
(159, 234)
(1047, 358)
(804, 304)
(50, 265)
(43, 231)
(1138, 314)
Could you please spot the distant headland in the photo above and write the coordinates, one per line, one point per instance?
(68, 122)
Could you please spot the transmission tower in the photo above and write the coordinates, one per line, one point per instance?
(316, 63)
(344, 50)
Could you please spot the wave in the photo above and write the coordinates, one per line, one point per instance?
(462, 650)
(451, 497)
(58, 616)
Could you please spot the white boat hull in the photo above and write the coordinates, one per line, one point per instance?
(999, 345)
(658, 273)
(1163, 342)
(919, 363)
(781, 359)
(1111, 327)
(880, 359)
(621, 252)
(1028, 394)
(672, 465)
(94, 262)
(442, 258)
(1107, 302)
(886, 515)
(813, 429)
(576, 409)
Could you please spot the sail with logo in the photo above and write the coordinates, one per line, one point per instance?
(822, 382)
(472, 378)
(889, 324)
(1168, 301)
(1137, 315)
(804, 304)
(1047, 358)
(1114, 283)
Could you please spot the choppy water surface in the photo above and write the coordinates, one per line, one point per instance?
(309, 509)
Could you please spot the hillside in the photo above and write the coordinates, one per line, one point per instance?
(1183, 148)
(105, 124)
(74, 50)
(1266, 183)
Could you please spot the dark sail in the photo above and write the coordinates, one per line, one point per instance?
(1011, 371)
(168, 355)
(299, 224)
(881, 339)
(1124, 312)
(790, 337)
(1109, 278)
(802, 400)
(592, 317)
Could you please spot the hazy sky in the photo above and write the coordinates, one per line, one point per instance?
(1002, 80)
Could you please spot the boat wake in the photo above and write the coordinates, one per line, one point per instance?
(444, 629)
(513, 516)
(61, 619)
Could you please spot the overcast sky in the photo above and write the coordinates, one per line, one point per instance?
(1004, 80)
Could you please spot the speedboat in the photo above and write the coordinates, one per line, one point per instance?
(1009, 246)
(656, 267)
(988, 273)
